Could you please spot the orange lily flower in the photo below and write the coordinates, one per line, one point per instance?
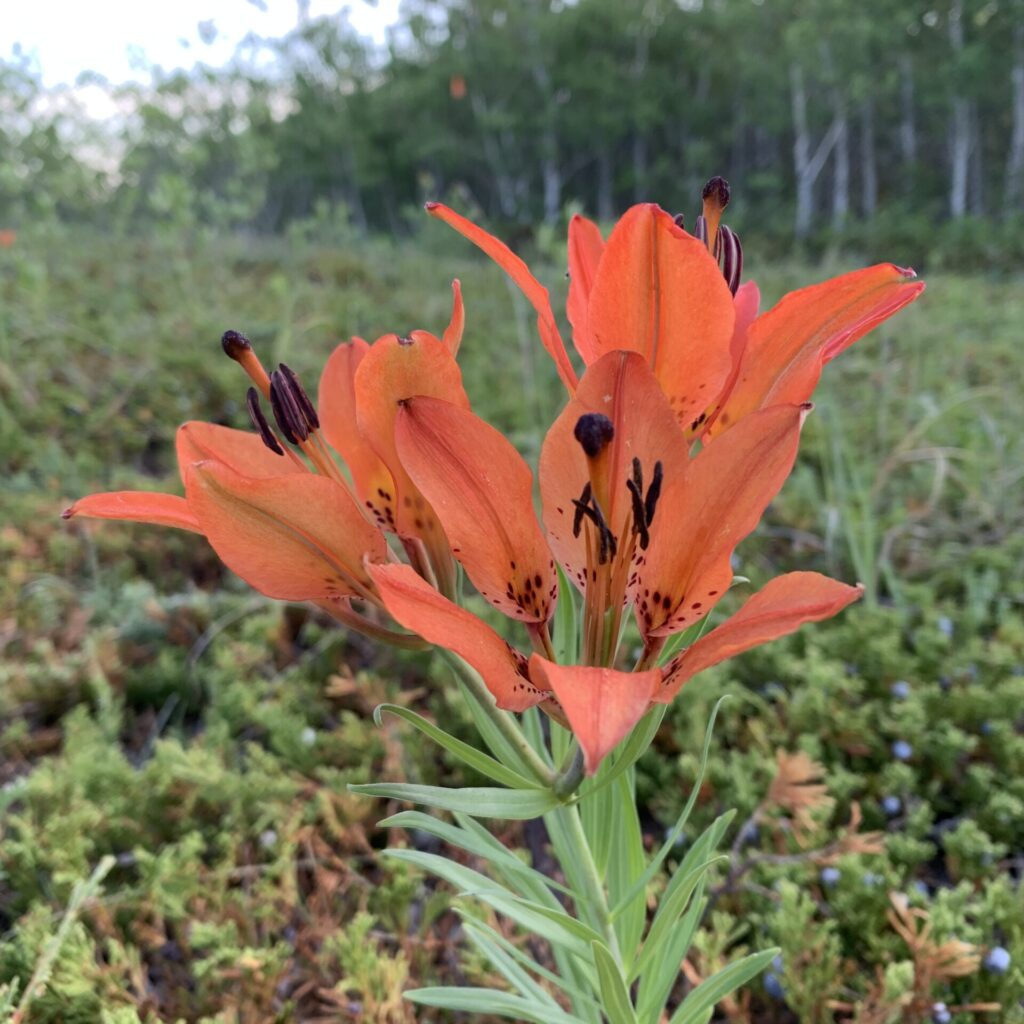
(634, 521)
(296, 528)
(654, 289)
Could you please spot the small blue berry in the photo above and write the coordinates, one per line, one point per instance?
(778, 965)
(870, 878)
(830, 876)
(945, 624)
(774, 987)
(922, 887)
(940, 1014)
(998, 960)
(902, 750)
(892, 805)
(900, 689)
(986, 728)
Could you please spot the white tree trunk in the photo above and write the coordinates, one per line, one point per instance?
(908, 123)
(841, 177)
(959, 125)
(1015, 155)
(806, 165)
(868, 164)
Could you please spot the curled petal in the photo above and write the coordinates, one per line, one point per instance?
(586, 247)
(240, 450)
(296, 538)
(779, 608)
(452, 336)
(788, 345)
(137, 507)
(535, 292)
(391, 372)
(660, 293)
(482, 491)
(601, 704)
(337, 405)
(419, 607)
(707, 512)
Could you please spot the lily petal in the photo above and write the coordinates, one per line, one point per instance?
(138, 507)
(482, 491)
(586, 247)
(392, 371)
(296, 538)
(659, 292)
(337, 404)
(781, 607)
(241, 450)
(601, 704)
(621, 386)
(707, 512)
(535, 292)
(452, 336)
(415, 604)
(788, 346)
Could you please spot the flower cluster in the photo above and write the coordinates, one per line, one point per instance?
(681, 429)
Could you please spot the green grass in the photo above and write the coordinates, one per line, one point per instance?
(155, 710)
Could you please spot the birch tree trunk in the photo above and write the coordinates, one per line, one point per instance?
(806, 165)
(1015, 155)
(868, 164)
(841, 176)
(959, 125)
(908, 125)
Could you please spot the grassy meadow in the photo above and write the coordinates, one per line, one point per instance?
(155, 711)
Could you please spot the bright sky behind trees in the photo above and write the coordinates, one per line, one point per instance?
(120, 39)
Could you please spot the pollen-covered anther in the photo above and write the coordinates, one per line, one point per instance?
(595, 432)
(259, 421)
(716, 192)
(292, 407)
(238, 347)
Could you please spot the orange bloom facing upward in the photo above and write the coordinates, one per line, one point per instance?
(7, 238)
(676, 299)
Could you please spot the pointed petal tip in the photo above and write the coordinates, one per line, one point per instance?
(68, 512)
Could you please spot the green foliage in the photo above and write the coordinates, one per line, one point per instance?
(153, 710)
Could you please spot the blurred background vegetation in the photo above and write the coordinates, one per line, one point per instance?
(889, 127)
(185, 744)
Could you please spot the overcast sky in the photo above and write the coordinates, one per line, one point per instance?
(118, 37)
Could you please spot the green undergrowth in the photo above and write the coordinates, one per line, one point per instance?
(156, 712)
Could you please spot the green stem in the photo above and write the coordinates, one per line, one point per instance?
(594, 892)
(503, 721)
(570, 775)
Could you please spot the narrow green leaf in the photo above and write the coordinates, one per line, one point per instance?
(626, 864)
(476, 759)
(489, 732)
(506, 965)
(554, 925)
(465, 880)
(614, 995)
(489, 1001)
(558, 980)
(671, 909)
(660, 978)
(511, 804)
(711, 991)
(677, 830)
(519, 875)
(566, 639)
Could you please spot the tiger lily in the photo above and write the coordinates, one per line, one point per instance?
(654, 289)
(633, 520)
(274, 504)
